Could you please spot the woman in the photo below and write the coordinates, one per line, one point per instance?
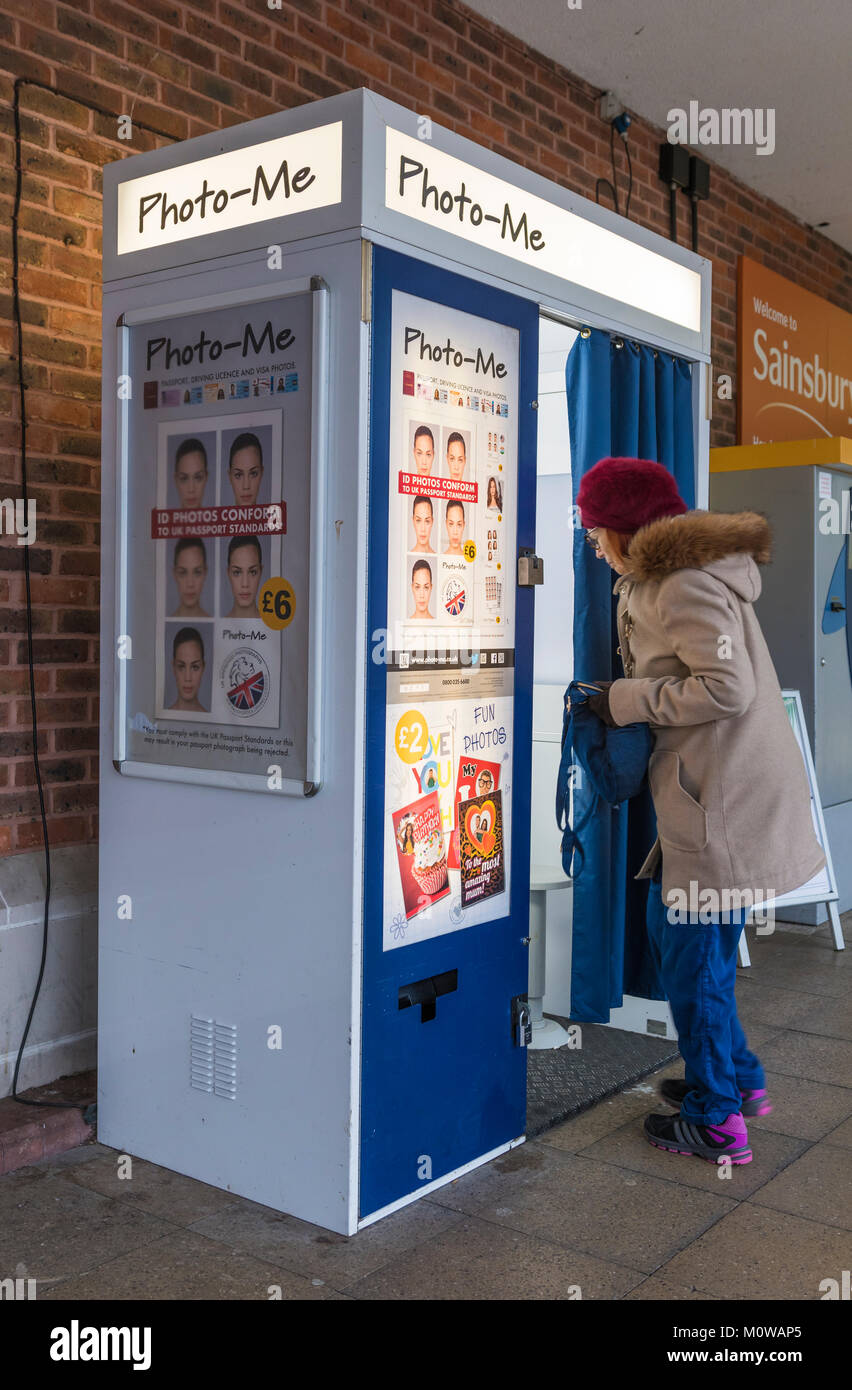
(726, 776)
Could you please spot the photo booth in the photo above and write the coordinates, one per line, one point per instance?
(320, 573)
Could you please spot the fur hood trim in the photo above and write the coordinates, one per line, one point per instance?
(696, 539)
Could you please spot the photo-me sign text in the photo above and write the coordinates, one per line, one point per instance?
(795, 361)
(294, 173)
(425, 183)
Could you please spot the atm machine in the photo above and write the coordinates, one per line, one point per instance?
(804, 489)
(319, 569)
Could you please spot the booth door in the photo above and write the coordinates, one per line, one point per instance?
(449, 726)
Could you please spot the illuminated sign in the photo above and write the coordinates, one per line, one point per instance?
(442, 191)
(795, 360)
(294, 173)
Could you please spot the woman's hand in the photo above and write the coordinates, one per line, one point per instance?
(600, 703)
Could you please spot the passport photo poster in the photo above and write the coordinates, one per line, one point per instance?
(210, 571)
(215, 507)
(452, 527)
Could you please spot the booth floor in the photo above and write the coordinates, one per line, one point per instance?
(565, 1080)
(588, 1203)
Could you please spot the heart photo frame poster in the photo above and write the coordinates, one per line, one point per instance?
(476, 776)
(481, 849)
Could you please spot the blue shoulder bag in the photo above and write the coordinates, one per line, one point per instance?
(615, 761)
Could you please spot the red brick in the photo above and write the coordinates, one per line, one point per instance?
(75, 740)
(77, 678)
(61, 830)
(72, 797)
(366, 61)
(53, 711)
(78, 562)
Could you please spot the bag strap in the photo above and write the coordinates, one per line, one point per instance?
(570, 834)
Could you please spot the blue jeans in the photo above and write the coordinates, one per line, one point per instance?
(697, 965)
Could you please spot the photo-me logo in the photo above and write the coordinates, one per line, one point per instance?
(245, 681)
(294, 173)
(453, 196)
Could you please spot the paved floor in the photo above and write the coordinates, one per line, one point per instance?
(587, 1204)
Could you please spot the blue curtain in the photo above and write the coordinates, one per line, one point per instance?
(624, 400)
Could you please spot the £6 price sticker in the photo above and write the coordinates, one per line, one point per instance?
(411, 737)
(276, 603)
(470, 550)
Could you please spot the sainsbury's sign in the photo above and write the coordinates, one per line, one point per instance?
(795, 354)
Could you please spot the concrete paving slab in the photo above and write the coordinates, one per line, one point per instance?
(804, 1109)
(287, 1242)
(817, 1186)
(479, 1261)
(150, 1188)
(757, 1253)
(57, 1228)
(200, 1268)
(814, 1058)
(614, 1213)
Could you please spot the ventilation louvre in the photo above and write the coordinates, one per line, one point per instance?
(213, 1056)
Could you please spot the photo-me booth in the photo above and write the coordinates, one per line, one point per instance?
(319, 820)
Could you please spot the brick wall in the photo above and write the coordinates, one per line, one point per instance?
(183, 69)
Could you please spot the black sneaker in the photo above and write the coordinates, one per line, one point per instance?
(723, 1143)
(754, 1102)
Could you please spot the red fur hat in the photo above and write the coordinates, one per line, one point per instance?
(624, 494)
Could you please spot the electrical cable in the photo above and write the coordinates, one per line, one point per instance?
(612, 162)
(613, 184)
(19, 339)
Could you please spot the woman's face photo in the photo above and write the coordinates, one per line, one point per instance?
(188, 668)
(421, 588)
(423, 519)
(190, 479)
(424, 454)
(245, 473)
(244, 571)
(455, 529)
(492, 493)
(190, 573)
(456, 460)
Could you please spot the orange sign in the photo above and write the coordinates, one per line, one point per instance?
(795, 361)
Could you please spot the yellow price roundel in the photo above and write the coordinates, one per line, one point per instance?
(470, 550)
(411, 738)
(276, 603)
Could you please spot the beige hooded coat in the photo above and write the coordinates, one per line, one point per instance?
(727, 778)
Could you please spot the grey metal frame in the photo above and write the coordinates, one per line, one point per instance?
(319, 472)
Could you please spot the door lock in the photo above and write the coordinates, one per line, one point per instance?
(530, 569)
(521, 1021)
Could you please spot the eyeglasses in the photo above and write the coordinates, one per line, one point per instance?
(591, 539)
